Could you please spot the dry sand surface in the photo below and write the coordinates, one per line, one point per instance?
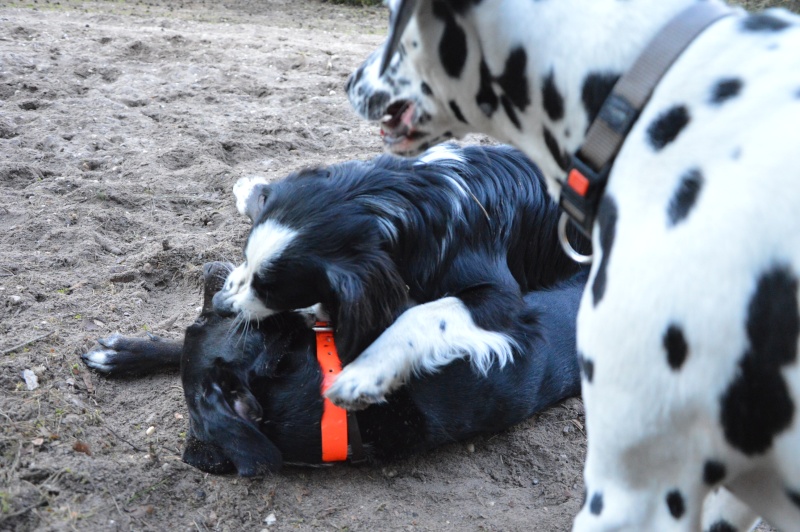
(123, 126)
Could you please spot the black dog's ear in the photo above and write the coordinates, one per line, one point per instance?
(251, 194)
(206, 457)
(366, 298)
(397, 25)
(226, 435)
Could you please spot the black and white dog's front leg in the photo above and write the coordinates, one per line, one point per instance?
(423, 339)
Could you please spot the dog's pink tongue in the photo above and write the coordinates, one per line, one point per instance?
(407, 116)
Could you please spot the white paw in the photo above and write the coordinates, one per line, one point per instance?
(361, 385)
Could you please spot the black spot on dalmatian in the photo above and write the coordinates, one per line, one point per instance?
(596, 88)
(555, 150)
(457, 112)
(713, 472)
(675, 504)
(486, 98)
(376, 104)
(513, 84)
(667, 126)
(442, 325)
(509, 109)
(736, 154)
(722, 526)
(685, 196)
(513, 81)
(453, 45)
(607, 220)
(764, 22)
(757, 406)
(355, 78)
(553, 101)
(426, 89)
(596, 505)
(675, 344)
(725, 89)
(587, 367)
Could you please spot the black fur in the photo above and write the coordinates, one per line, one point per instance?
(675, 345)
(675, 503)
(713, 472)
(764, 22)
(552, 99)
(685, 196)
(726, 89)
(393, 230)
(667, 126)
(757, 406)
(607, 222)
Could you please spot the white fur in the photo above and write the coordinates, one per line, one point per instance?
(265, 244)
(242, 190)
(423, 339)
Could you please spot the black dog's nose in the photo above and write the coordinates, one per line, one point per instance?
(221, 306)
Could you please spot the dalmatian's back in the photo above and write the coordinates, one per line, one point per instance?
(689, 327)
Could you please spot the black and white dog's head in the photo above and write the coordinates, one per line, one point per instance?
(304, 250)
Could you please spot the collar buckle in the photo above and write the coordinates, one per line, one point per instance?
(581, 193)
(322, 326)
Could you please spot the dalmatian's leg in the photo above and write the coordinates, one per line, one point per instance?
(723, 511)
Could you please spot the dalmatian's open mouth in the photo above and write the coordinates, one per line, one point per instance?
(397, 125)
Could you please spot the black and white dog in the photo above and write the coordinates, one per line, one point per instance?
(253, 389)
(689, 328)
(419, 262)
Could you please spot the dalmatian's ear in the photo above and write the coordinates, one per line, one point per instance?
(251, 194)
(401, 14)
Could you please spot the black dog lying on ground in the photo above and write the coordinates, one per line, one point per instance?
(253, 390)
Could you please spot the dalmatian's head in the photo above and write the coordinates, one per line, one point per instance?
(394, 86)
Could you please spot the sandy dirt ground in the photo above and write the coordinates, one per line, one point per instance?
(123, 126)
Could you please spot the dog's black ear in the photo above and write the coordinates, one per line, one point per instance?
(401, 14)
(366, 298)
(225, 429)
(251, 194)
(206, 457)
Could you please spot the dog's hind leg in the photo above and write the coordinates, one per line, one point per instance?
(723, 511)
(120, 355)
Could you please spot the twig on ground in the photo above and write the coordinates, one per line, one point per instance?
(120, 438)
(25, 344)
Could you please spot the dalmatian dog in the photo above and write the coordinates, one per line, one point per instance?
(688, 329)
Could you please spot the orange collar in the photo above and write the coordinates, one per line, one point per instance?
(334, 425)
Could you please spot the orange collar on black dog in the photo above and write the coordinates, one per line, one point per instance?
(338, 426)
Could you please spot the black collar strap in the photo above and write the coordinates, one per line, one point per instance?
(591, 165)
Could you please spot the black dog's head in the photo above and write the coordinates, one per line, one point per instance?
(319, 236)
(252, 389)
